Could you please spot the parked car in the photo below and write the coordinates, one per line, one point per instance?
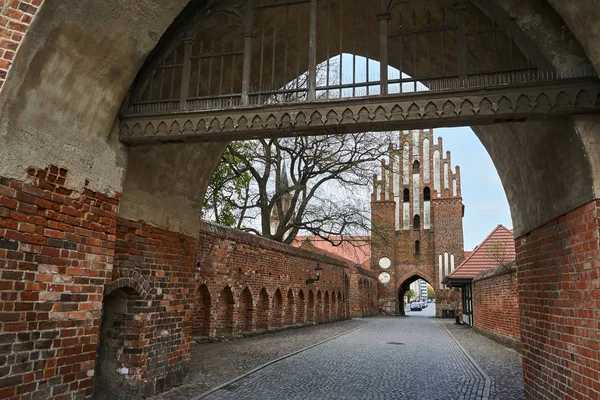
(416, 306)
(429, 300)
(424, 304)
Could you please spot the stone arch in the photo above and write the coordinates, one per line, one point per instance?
(277, 314)
(310, 307)
(201, 321)
(225, 312)
(301, 308)
(262, 310)
(246, 320)
(117, 328)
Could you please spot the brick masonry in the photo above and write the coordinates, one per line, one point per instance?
(56, 255)
(246, 283)
(92, 302)
(443, 235)
(496, 305)
(15, 18)
(559, 298)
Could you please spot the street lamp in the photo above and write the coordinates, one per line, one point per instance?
(318, 271)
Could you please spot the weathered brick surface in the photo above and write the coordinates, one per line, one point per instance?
(15, 18)
(246, 283)
(56, 254)
(160, 266)
(558, 279)
(496, 305)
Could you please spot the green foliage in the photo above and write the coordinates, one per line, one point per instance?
(409, 295)
(230, 182)
(430, 293)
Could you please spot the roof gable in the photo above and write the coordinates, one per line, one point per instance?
(496, 249)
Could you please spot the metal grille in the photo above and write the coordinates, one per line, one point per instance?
(267, 52)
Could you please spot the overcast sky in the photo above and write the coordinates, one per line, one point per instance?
(483, 195)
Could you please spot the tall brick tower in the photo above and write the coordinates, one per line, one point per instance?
(417, 212)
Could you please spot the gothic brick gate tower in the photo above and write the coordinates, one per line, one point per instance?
(416, 211)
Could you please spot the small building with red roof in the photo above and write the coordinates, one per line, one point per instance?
(496, 250)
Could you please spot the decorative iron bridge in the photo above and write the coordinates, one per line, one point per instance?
(244, 69)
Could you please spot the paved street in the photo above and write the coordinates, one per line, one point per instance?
(388, 358)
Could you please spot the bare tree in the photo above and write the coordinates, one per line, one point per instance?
(501, 254)
(313, 185)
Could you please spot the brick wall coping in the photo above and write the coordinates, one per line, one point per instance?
(496, 271)
(368, 272)
(213, 229)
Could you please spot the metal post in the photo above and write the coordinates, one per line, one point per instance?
(383, 19)
(188, 43)
(248, 37)
(312, 53)
(461, 39)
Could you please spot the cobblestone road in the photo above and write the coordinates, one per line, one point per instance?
(389, 358)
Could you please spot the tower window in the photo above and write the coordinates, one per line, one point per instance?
(416, 167)
(406, 195)
(417, 247)
(417, 222)
(426, 194)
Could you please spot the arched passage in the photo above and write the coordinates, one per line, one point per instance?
(310, 307)
(326, 306)
(225, 317)
(246, 311)
(319, 307)
(117, 328)
(57, 89)
(277, 314)
(262, 315)
(301, 307)
(289, 312)
(202, 310)
(419, 292)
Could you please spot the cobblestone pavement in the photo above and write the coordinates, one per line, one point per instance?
(503, 365)
(218, 362)
(389, 358)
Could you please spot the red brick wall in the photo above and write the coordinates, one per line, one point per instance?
(56, 254)
(496, 305)
(162, 263)
(15, 18)
(238, 261)
(559, 294)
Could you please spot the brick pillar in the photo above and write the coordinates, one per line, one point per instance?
(56, 254)
(559, 298)
(164, 262)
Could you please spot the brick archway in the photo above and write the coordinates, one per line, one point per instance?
(75, 80)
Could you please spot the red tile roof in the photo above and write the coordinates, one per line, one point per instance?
(498, 248)
(354, 248)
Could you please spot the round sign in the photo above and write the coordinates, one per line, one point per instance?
(384, 262)
(384, 277)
